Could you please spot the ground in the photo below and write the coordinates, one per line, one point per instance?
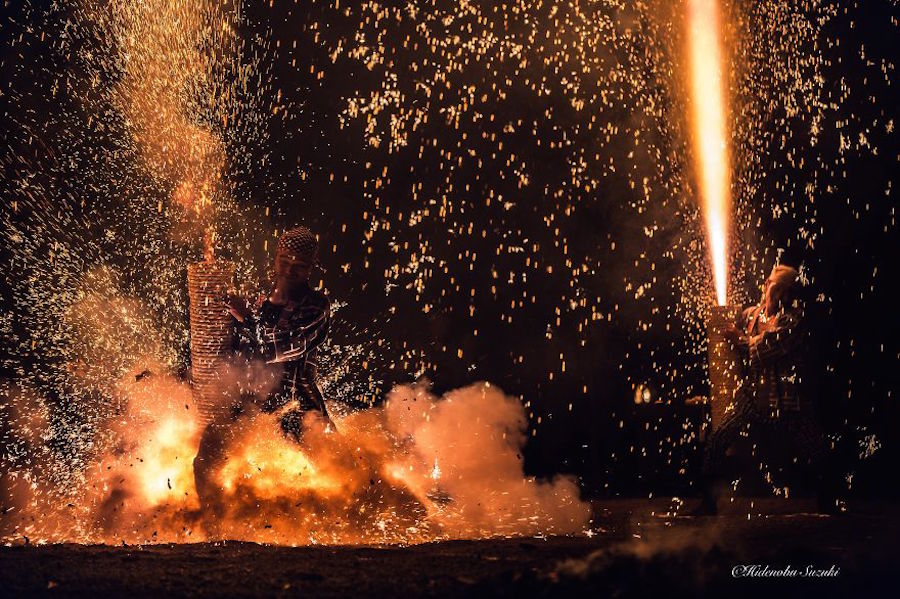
(636, 549)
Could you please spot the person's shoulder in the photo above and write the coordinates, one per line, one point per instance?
(318, 298)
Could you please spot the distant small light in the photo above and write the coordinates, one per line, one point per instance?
(643, 394)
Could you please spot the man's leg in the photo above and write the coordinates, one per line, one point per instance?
(310, 398)
(211, 455)
(717, 444)
(810, 446)
(292, 423)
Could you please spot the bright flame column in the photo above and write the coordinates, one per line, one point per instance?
(707, 89)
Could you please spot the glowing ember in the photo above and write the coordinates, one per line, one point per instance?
(707, 90)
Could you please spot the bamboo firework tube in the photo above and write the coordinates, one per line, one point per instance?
(211, 333)
(724, 363)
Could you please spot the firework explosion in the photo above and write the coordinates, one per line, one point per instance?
(503, 192)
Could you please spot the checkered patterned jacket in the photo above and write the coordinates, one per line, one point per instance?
(287, 336)
(773, 350)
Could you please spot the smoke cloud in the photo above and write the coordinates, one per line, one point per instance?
(418, 468)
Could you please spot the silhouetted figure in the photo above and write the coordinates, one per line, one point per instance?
(770, 404)
(283, 330)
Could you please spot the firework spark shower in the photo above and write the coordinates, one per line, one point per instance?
(521, 210)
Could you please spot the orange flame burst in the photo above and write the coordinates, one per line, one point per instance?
(707, 89)
(418, 468)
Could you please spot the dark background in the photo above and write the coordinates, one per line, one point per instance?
(308, 166)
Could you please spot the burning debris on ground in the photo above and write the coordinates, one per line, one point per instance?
(539, 227)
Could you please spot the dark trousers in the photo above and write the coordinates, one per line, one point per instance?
(797, 431)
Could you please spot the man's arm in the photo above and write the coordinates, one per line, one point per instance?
(735, 332)
(783, 337)
(302, 335)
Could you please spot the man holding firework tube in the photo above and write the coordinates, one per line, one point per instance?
(770, 339)
(287, 328)
(283, 331)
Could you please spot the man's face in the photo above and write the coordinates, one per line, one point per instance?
(292, 269)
